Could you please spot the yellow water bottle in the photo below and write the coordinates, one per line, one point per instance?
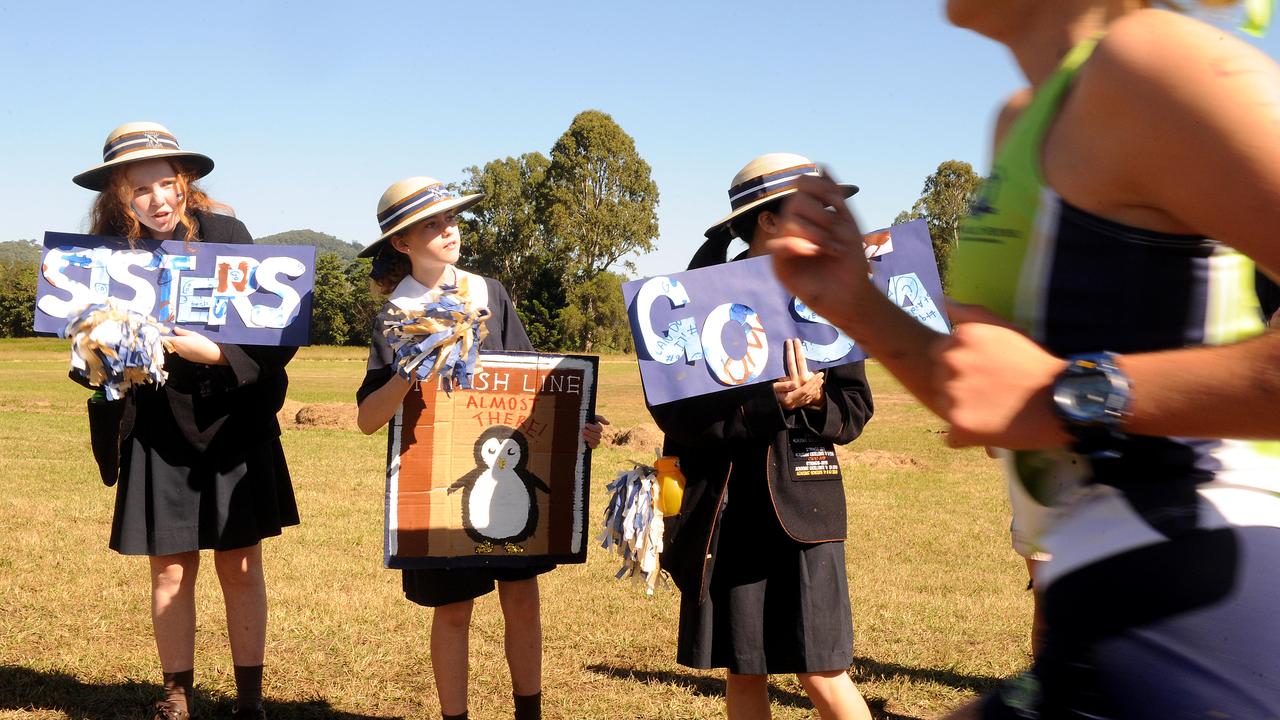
(670, 484)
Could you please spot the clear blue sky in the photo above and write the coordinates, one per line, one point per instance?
(311, 109)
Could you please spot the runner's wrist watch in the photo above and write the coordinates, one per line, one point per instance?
(1091, 397)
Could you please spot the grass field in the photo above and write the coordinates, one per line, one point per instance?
(938, 601)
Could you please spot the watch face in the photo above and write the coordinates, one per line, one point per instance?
(1083, 398)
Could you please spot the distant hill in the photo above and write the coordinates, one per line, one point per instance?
(22, 251)
(28, 251)
(323, 242)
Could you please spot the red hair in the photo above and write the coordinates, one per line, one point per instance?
(112, 212)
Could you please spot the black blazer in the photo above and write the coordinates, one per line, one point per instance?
(209, 413)
(744, 434)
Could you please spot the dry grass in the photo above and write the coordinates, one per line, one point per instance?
(939, 611)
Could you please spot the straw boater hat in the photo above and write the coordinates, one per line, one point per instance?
(765, 179)
(136, 141)
(411, 200)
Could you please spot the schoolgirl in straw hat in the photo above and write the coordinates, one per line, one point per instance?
(137, 141)
(757, 554)
(201, 466)
(758, 188)
(414, 263)
(146, 151)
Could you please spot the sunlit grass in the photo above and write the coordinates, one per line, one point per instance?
(938, 600)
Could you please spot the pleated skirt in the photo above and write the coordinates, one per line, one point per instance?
(175, 501)
(774, 605)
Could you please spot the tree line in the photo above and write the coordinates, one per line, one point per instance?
(554, 229)
(550, 229)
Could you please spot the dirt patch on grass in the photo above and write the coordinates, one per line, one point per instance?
(639, 437)
(287, 417)
(322, 416)
(882, 459)
(29, 406)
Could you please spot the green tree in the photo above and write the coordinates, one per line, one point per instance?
(505, 236)
(540, 309)
(595, 315)
(944, 202)
(17, 299)
(549, 227)
(27, 251)
(599, 204)
(363, 303)
(329, 300)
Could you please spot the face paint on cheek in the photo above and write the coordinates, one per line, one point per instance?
(141, 216)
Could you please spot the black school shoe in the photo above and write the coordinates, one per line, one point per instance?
(254, 713)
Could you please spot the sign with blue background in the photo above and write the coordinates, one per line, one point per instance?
(706, 330)
(230, 293)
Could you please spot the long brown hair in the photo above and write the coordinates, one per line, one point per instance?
(112, 212)
(389, 267)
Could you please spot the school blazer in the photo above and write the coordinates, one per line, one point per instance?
(744, 434)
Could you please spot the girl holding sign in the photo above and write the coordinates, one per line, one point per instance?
(758, 548)
(414, 264)
(200, 464)
(1118, 353)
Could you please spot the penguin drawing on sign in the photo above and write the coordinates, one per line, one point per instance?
(498, 501)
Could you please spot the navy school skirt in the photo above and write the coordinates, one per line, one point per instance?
(171, 501)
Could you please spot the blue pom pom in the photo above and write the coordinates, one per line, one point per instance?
(444, 337)
(116, 348)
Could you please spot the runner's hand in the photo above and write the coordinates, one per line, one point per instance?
(820, 256)
(994, 384)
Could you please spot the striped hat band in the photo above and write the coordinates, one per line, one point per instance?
(135, 141)
(768, 184)
(420, 200)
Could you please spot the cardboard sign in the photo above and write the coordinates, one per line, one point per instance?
(495, 475)
(707, 330)
(230, 293)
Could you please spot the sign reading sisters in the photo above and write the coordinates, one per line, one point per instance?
(706, 330)
(231, 293)
(493, 475)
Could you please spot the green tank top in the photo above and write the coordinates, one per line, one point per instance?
(1076, 282)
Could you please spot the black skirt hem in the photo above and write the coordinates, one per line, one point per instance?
(180, 548)
(829, 663)
(438, 587)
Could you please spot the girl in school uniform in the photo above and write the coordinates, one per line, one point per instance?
(412, 260)
(200, 465)
(758, 550)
